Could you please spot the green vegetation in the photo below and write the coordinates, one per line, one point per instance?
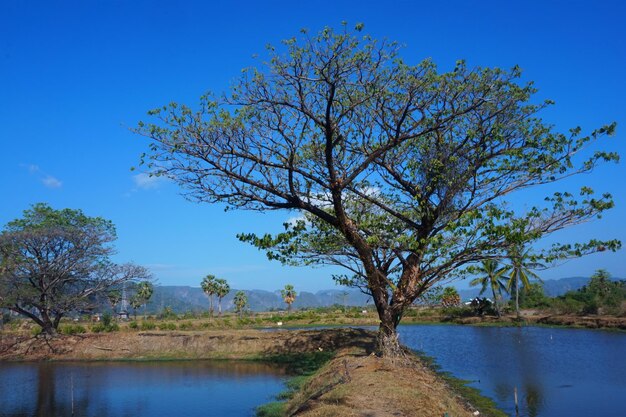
(303, 366)
(600, 296)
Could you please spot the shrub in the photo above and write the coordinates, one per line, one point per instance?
(106, 319)
(148, 325)
(167, 326)
(133, 325)
(186, 325)
(73, 329)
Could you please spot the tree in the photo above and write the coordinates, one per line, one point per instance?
(114, 297)
(450, 297)
(520, 271)
(534, 296)
(142, 295)
(401, 173)
(491, 277)
(241, 302)
(289, 295)
(209, 288)
(221, 290)
(54, 262)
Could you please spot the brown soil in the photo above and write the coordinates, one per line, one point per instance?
(218, 344)
(591, 322)
(354, 384)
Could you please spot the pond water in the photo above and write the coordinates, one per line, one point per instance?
(135, 389)
(558, 372)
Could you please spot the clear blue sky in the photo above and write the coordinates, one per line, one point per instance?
(75, 75)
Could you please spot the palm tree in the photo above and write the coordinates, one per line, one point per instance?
(492, 278)
(141, 297)
(209, 287)
(289, 295)
(520, 271)
(221, 290)
(241, 301)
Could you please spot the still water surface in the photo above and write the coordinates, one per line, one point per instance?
(557, 372)
(136, 389)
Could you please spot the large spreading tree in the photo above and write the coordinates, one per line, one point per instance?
(55, 262)
(401, 172)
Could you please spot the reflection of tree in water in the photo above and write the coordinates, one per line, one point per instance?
(46, 400)
(534, 399)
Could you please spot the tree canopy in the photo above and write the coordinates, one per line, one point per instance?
(401, 172)
(54, 262)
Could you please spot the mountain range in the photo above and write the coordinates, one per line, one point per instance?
(184, 298)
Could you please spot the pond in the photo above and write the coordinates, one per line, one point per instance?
(557, 371)
(172, 388)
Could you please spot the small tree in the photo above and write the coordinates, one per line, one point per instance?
(209, 287)
(520, 271)
(450, 297)
(142, 295)
(221, 290)
(491, 277)
(241, 302)
(289, 295)
(401, 173)
(54, 262)
(114, 297)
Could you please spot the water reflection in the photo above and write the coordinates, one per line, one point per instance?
(557, 372)
(136, 389)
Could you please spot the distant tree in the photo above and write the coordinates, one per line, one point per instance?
(432, 297)
(54, 262)
(221, 290)
(450, 297)
(209, 287)
(533, 296)
(600, 295)
(402, 173)
(491, 276)
(114, 297)
(241, 302)
(289, 295)
(521, 264)
(143, 293)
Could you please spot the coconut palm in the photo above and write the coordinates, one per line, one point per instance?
(209, 288)
(520, 271)
(491, 277)
(289, 295)
(221, 290)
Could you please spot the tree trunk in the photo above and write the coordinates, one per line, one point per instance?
(517, 298)
(210, 306)
(495, 302)
(387, 342)
(219, 307)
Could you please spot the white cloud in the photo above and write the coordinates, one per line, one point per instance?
(51, 182)
(45, 178)
(147, 182)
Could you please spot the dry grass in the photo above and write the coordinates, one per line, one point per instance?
(217, 344)
(368, 386)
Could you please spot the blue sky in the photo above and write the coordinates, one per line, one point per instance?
(75, 75)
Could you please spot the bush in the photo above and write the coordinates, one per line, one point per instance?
(167, 326)
(106, 319)
(148, 325)
(73, 329)
(186, 325)
(102, 328)
(133, 325)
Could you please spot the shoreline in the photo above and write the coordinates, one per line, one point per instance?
(337, 370)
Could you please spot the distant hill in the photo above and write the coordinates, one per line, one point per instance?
(183, 298)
